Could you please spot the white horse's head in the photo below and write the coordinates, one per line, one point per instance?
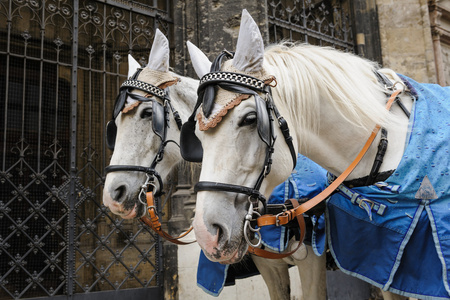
(145, 124)
(236, 136)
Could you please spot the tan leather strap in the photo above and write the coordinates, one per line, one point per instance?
(272, 255)
(287, 216)
(155, 224)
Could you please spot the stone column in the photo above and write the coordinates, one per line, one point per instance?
(406, 40)
(436, 31)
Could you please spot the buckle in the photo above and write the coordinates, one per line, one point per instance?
(277, 220)
(370, 202)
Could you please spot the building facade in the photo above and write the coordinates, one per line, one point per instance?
(61, 65)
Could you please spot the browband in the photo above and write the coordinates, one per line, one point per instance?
(235, 78)
(143, 86)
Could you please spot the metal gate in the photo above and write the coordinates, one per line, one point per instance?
(61, 64)
(317, 22)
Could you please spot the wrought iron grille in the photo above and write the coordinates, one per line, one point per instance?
(317, 22)
(61, 65)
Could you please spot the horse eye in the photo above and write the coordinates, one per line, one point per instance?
(146, 113)
(249, 119)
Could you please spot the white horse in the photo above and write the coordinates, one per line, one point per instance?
(137, 145)
(331, 101)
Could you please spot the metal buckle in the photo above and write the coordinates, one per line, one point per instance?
(366, 201)
(277, 221)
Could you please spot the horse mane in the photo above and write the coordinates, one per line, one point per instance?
(305, 74)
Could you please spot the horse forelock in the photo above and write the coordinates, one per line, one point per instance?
(307, 74)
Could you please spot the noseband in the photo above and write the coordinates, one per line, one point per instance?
(266, 111)
(160, 123)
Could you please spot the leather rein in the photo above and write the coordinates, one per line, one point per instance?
(287, 216)
(245, 85)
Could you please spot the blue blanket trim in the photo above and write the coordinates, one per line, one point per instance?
(211, 276)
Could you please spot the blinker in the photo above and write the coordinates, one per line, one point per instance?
(190, 146)
(158, 119)
(111, 132)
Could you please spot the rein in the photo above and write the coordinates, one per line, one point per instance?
(285, 217)
(160, 123)
(192, 150)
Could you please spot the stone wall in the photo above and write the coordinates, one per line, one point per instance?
(212, 26)
(405, 35)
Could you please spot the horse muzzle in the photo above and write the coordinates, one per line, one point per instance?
(217, 242)
(126, 209)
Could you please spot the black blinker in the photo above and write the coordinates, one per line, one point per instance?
(111, 132)
(158, 119)
(190, 146)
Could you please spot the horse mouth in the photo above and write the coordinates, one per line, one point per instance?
(136, 211)
(222, 256)
(129, 214)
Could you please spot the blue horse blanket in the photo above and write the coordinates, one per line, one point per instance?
(382, 233)
(307, 180)
(390, 235)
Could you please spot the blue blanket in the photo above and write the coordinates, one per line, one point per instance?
(388, 234)
(382, 233)
(307, 180)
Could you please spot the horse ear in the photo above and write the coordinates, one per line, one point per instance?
(200, 62)
(249, 54)
(133, 65)
(159, 55)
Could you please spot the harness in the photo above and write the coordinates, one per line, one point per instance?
(191, 150)
(160, 123)
(266, 111)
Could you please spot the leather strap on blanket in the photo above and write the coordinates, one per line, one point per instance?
(287, 216)
(155, 224)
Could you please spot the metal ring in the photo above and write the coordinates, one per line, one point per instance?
(402, 84)
(247, 224)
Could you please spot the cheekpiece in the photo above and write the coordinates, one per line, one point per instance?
(144, 86)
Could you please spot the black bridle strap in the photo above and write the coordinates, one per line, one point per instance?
(147, 170)
(224, 187)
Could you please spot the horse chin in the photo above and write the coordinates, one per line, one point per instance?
(127, 210)
(228, 256)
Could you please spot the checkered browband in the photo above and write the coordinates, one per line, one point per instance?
(233, 78)
(144, 86)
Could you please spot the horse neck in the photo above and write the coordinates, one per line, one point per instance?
(331, 138)
(336, 144)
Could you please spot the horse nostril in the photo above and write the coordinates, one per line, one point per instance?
(119, 193)
(221, 235)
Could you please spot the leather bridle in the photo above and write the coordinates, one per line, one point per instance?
(160, 123)
(266, 112)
